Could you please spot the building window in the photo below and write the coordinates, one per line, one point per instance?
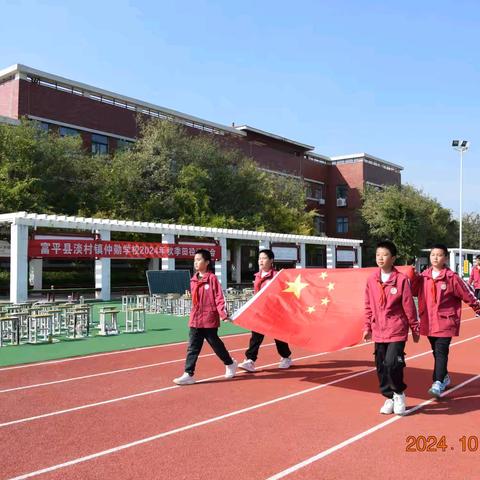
(314, 191)
(375, 186)
(316, 256)
(319, 224)
(124, 144)
(342, 224)
(99, 144)
(342, 195)
(67, 132)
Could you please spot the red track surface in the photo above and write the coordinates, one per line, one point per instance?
(252, 427)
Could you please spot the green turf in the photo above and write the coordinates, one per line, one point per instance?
(161, 329)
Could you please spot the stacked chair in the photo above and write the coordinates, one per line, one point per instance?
(43, 322)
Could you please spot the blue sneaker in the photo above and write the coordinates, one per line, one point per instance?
(446, 381)
(436, 389)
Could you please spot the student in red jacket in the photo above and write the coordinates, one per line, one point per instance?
(390, 312)
(440, 293)
(474, 279)
(208, 307)
(262, 278)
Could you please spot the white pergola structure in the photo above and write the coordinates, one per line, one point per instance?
(20, 222)
(455, 259)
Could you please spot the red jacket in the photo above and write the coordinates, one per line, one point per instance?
(259, 282)
(389, 308)
(208, 302)
(475, 277)
(440, 302)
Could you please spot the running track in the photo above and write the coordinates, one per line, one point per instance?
(118, 416)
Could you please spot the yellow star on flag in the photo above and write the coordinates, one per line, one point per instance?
(331, 286)
(323, 275)
(296, 287)
(310, 309)
(325, 301)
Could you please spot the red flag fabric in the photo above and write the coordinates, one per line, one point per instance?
(317, 309)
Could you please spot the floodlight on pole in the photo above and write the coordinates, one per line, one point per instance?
(461, 146)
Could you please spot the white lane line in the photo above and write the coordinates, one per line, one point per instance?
(150, 392)
(361, 435)
(238, 412)
(119, 352)
(129, 369)
(164, 389)
(112, 372)
(116, 352)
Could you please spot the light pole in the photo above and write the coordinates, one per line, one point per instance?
(461, 146)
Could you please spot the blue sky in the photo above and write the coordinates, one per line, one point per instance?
(398, 80)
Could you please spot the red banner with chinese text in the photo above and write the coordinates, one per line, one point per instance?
(111, 249)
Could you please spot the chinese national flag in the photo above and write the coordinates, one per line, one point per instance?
(317, 309)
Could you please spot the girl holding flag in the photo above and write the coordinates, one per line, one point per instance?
(208, 308)
(262, 279)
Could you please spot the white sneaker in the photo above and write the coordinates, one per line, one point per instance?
(399, 406)
(248, 365)
(231, 369)
(285, 363)
(446, 381)
(436, 389)
(185, 379)
(387, 408)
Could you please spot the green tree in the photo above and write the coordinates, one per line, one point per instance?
(171, 176)
(167, 175)
(471, 231)
(42, 172)
(408, 217)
